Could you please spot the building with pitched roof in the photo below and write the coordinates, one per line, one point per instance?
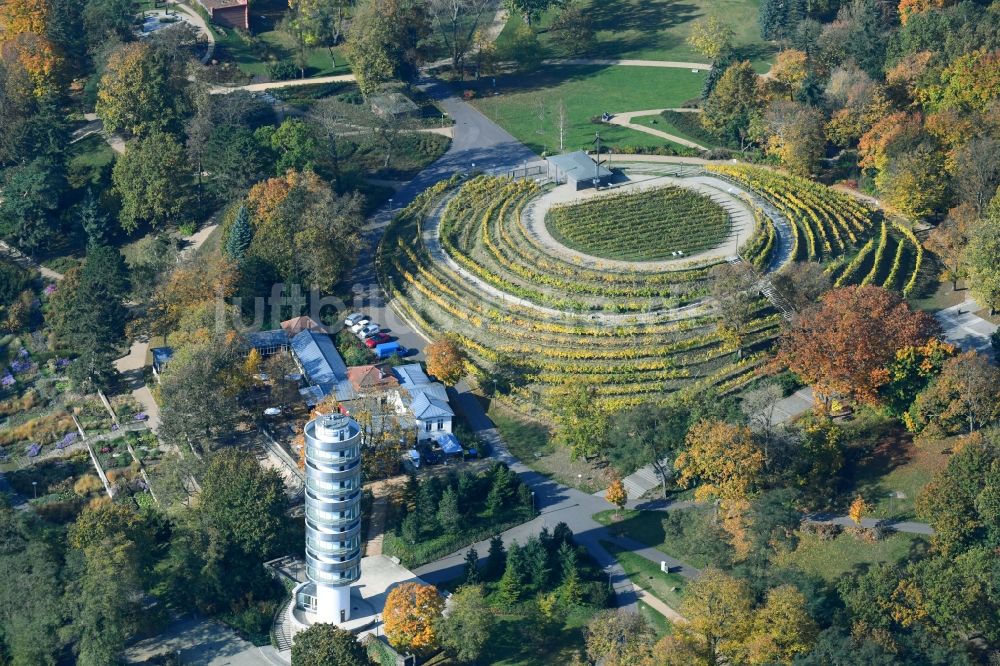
(232, 13)
(425, 401)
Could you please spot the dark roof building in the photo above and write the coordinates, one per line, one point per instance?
(267, 342)
(232, 13)
(321, 363)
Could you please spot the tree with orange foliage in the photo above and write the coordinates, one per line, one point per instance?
(908, 8)
(873, 148)
(411, 610)
(789, 72)
(617, 495)
(445, 360)
(842, 345)
(859, 507)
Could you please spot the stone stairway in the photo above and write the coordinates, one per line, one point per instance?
(640, 482)
(282, 630)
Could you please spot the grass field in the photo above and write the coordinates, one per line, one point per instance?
(897, 472)
(531, 443)
(832, 559)
(88, 159)
(655, 29)
(507, 645)
(528, 104)
(660, 624)
(691, 537)
(667, 587)
(663, 124)
(647, 225)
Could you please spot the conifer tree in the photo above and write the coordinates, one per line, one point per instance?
(240, 234)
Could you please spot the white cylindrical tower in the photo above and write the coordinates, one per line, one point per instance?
(333, 513)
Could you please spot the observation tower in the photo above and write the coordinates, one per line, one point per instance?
(333, 514)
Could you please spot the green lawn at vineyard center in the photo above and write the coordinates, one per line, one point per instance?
(654, 29)
(527, 105)
(640, 226)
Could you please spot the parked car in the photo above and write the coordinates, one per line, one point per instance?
(377, 339)
(353, 319)
(368, 331)
(356, 328)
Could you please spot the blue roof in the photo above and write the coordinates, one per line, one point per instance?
(161, 354)
(424, 407)
(411, 374)
(267, 339)
(449, 444)
(319, 359)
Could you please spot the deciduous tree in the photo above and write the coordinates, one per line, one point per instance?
(327, 645)
(965, 396)
(981, 255)
(456, 23)
(616, 494)
(718, 610)
(734, 103)
(446, 360)
(722, 459)
(151, 178)
(710, 36)
(581, 425)
(467, 627)
(619, 638)
(843, 345)
(141, 90)
(411, 613)
(949, 239)
(649, 434)
(795, 134)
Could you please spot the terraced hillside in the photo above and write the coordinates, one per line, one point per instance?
(857, 243)
(461, 261)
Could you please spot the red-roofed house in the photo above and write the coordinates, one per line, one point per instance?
(369, 379)
(296, 325)
(232, 13)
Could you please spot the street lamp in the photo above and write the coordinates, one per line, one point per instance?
(532, 501)
(34, 487)
(390, 204)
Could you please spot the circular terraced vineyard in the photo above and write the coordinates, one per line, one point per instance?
(462, 259)
(641, 226)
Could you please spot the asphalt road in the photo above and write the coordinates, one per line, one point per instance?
(478, 144)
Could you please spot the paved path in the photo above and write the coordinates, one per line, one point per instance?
(908, 526)
(668, 64)
(741, 219)
(625, 120)
(202, 643)
(13, 254)
(131, 367)
(966, 329)
(272, 85)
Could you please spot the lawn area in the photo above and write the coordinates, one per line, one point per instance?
(690, 535)
(649, 224)
(273, 46)
(658, 122)
(832, 559)
(667, 587)
(88, 160)
(654, 29)
(660, 624)
(897, 471)
(507, 645)
(528, 104)
(531, 443)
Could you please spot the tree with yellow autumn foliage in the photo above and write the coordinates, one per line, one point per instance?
(411, 610)
(859, 508)
(445, 360)
(617, 495)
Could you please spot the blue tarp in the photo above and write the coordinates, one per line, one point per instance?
(449, 444)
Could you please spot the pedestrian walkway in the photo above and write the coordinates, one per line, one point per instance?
(629, 62)
(625, 118)
(965, 328)
(273, 85)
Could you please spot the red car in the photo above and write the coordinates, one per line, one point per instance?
(377, 339)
